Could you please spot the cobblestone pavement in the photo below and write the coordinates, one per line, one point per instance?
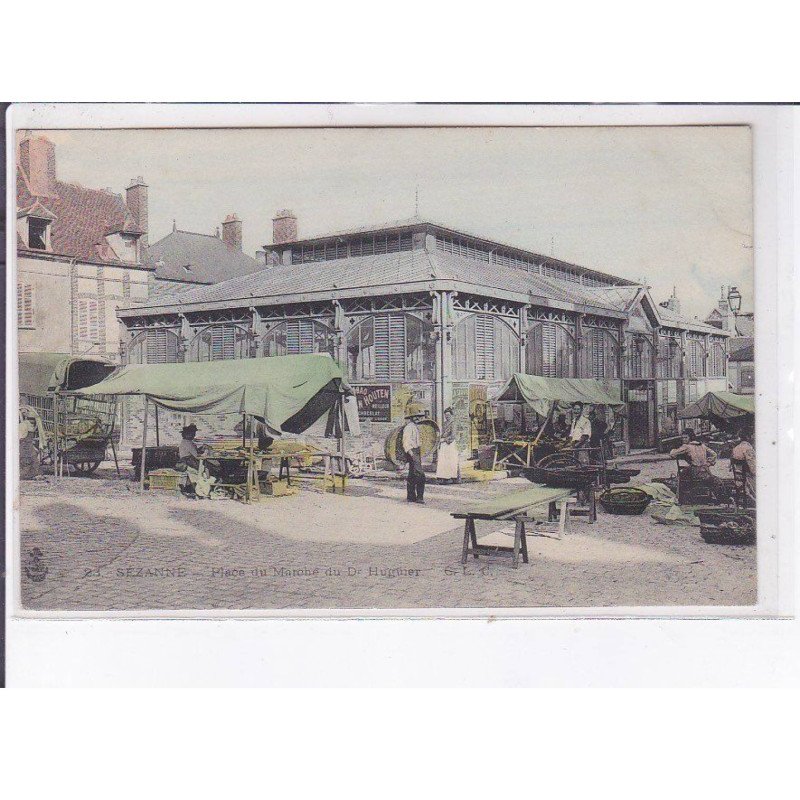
(106, 548)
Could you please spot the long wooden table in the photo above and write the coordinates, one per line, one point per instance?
(516, 506)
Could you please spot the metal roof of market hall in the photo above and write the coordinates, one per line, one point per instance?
(420, 269)
(391, 273)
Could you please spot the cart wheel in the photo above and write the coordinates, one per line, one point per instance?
(85, 467)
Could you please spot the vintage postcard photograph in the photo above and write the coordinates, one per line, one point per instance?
(328, 369)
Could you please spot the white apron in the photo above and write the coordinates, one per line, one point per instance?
(447, 461)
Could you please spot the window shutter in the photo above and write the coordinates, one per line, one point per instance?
(299, 336)
(598, 354)
(390, 346)
(162, 346)
(548, 350)
(484, 347)
(381, 327)
(25, 305)
(397, 346)
(88, 320)
(223, 343)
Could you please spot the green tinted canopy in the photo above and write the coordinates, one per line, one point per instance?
(287, 393)
(716, 406)
(540, 393)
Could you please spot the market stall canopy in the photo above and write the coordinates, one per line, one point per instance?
(287, 393)
(540, 393)
(720, 406)
(42, 373)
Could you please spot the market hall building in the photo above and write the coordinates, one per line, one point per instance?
(417, 311)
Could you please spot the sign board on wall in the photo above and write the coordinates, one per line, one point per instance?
(405, 393)
(461, 416)
(374, 402)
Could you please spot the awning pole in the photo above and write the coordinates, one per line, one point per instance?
(143, 461)
(111, 439)
(342, 447)
(158, 438)
(55, 436)
(252, 473)
(543, 426)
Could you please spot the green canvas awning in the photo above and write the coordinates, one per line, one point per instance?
(540, 393)
(287, 393)
(720, 406)
(42, 373)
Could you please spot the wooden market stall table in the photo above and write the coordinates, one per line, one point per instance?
(516, 506)
(255, 462)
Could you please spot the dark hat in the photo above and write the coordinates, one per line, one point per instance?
(189, 429)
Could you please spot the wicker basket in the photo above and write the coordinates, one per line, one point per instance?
(727, 527)
(428, 438)
(628, 501)
(570, 477)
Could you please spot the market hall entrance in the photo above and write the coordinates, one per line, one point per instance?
(641, 420)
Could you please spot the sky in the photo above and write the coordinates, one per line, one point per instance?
(668, 205)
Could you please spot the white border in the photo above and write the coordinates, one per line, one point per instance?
(773, 143)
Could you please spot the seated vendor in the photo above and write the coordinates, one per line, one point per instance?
(189, 453)
(743, 464)
(701, 458)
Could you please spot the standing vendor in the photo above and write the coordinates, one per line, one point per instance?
(597, 440)
(580, 431)
(447, 467)
(415, 483)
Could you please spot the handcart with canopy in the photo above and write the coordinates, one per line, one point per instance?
(72, 429)
(286, 394)
(546, 397)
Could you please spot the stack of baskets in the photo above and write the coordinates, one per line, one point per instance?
(624, 500)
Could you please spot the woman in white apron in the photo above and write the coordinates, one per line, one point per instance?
(447, 467)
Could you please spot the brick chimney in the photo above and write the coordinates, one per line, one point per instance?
(284, 227)
(37, 157)
(232, 231)
(136, 198)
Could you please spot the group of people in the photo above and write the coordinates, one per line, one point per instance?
(447, 456)
(587, 432)
(701, 458)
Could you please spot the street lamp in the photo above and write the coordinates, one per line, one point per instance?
(734, 300)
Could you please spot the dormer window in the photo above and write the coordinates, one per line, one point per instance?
(38, 233)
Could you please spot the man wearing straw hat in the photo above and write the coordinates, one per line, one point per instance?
(415, 483)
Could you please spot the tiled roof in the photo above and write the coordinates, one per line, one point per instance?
(82, 218)
(742, 352)
(197, 257)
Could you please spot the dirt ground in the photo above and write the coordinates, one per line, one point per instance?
(103, 547)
